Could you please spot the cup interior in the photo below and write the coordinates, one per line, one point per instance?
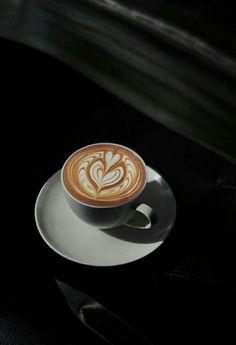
(111, 161)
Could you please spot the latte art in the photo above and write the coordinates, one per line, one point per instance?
(104, 174)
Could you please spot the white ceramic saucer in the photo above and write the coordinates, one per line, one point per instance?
(75, 240)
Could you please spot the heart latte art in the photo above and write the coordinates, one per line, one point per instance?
(105, 174)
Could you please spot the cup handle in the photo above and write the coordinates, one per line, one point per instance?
(142, 217)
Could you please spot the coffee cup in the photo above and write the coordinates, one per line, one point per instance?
(102, 184)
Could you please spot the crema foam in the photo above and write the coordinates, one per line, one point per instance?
(104, 175)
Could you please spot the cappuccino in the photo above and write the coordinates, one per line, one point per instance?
(104, 175)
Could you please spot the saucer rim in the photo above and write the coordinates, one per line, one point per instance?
(71, 258)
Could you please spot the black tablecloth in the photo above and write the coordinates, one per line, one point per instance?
(188, 283)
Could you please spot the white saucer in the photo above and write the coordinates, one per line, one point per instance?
(75, 240)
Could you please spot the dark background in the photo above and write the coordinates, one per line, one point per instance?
(48, 110)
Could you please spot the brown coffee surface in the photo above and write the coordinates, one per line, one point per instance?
(104, 175)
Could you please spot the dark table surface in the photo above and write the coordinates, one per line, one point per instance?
(188, 283)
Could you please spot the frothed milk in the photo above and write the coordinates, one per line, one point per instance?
(104, 175)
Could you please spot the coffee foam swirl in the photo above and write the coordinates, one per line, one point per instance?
(106, 176)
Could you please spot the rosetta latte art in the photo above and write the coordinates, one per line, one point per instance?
(104, 175)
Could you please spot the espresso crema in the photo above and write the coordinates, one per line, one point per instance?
(104, 175)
